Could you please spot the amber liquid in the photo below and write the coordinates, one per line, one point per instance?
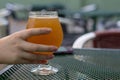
(53, 38)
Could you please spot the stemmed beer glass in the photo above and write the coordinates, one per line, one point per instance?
(41, 19)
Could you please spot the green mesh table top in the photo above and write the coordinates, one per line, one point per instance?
(84, 64)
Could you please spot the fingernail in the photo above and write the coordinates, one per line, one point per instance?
(43, 62)
(50, 57)
(54, 48)
(48, 29)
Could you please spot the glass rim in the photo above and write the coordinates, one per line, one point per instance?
(43, 13)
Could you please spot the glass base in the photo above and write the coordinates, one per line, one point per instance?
(44, 70)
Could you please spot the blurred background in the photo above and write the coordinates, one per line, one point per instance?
(77, 17)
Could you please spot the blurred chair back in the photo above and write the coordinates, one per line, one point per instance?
(107, 39)
(99, 39)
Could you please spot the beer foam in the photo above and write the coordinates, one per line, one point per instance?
(45, 16)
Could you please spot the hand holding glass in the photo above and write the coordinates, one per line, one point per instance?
(45, 19)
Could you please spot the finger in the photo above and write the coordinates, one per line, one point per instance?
(21, 61)
(27, 46)
(35, 57)
(40, 62)
(24, 34)
(33, 62)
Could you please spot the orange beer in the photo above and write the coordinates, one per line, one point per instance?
(43, 21)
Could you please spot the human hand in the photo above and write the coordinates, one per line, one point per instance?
(14, 49)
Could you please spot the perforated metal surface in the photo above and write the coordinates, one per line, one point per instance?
(87, 65)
